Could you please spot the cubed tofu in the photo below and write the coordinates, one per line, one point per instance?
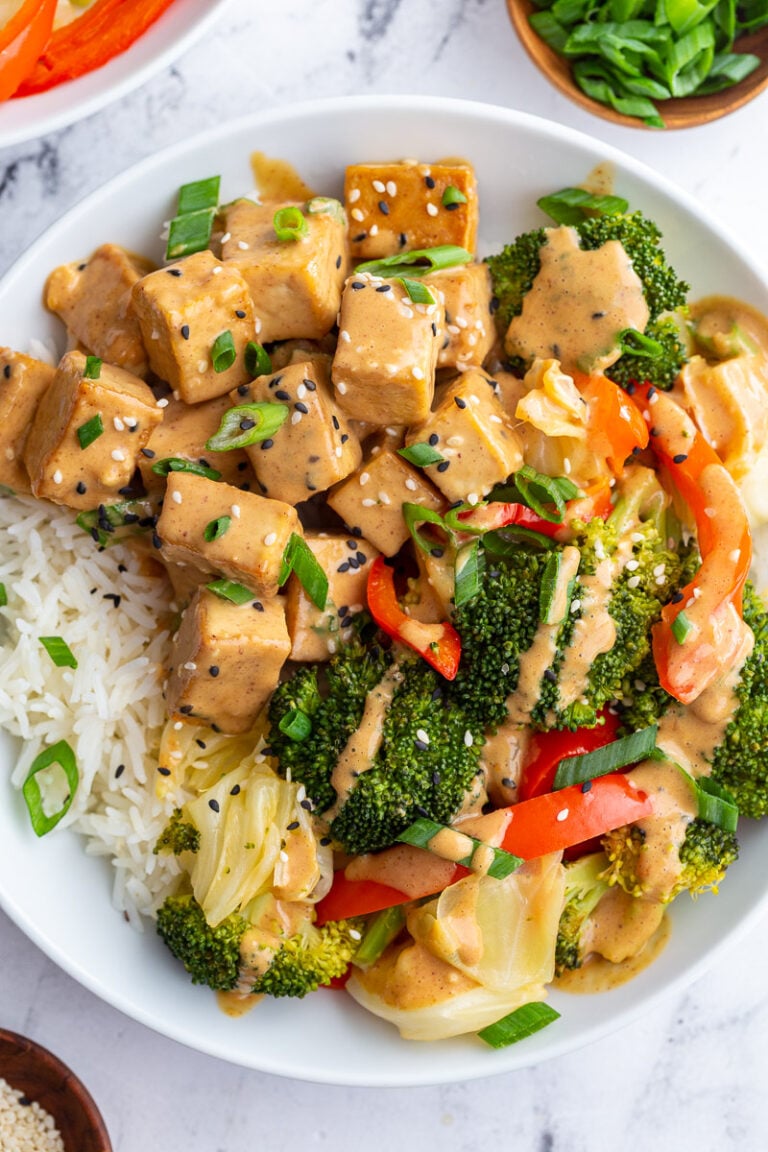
(87, 434)
(295, 285)
(93, 298)
(470, 331)
(394, 207)
(183, 434)
(227, 660)
(346, 560)
(384, 367)
(182, 310)
(371, 501)
(473, 434)
(23, 383)
(315, 447)
(252, 536)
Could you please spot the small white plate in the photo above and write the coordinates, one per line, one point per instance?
(174, 32)
(58, 895)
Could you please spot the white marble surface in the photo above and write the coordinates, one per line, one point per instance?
(692, 1074)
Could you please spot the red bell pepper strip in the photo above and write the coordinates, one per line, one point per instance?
(547, 749)
(489, 517)
(438, 644)
(615, 427)
(712, 600)
(108, 28)
(22, 42)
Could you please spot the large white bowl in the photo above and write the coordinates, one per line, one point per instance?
(60, 897)
(173, 33)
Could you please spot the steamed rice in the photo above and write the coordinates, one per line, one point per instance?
(110, 708)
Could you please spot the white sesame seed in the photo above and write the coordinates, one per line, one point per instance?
(696, 593)
(384, 498)
(345, 336)
(455, 441)
(338, 450)
(57, 477)
(734, 556)
(190, 666)
(407, 312)
(270, 539)
(357, 214)
(368, 502)
(178, 725)
(653, 399)
(494, 419)
(624, 413)
(379, 185)
(504, 669)
(331, 646)
(217, 271)
(117, 454)
(295, 417)
(632, 565)
(391, 188)
(599, 550)
(562, 815)
(161, 403)
(341, 388)
(422, 735)
(226, 237)
(130, 421)
(243, 245)
(461, 322)
(575, 605)
(301, 391)
(454, 331)
(176, 497)
(354, 196)
(256, 322)
(690, 603)
(661, 580)
(660, 569)
(235, 509)
(473, 498)
(411, 484)
(354, 934)
(10, 453)
(202, 366)
(364, 478)
(431, 209)
(567, 466)
(637, 537)
(633, 582)
(284, 856)
(417, 373)
(468, 739)
(119, 426)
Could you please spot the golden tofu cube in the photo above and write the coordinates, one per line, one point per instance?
(384, 367)
(314, 448)
(93, 298)
(473, 435)
(295, 284)
(183, 434)
(395, 207)
(182, 311)
(23, 383)
(470, 331)
(227, 660)
(87, 434)
(371, 501)
(346, 561)
(248, 544)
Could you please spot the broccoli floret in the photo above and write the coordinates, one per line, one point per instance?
(179, 835)
(216, 956)
(661, 370)
(705, 854)
(643, 700)
(585, 886)
(740, 764)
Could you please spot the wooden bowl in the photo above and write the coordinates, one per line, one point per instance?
(683, 112)
(41, 1076)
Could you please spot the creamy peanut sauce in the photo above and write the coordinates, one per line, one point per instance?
(593, 633)
(451, 845)
(412, 977)
(465, 931)
(361, 748)
(277, 179)
(412, 871)
(237, 1004)
(621, 926)
(502, 761)
(600, 975)
(297, 871)
(601, 179)
(658, 864)
(579, 303)
(721, 320)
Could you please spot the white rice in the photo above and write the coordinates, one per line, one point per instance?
(110, 708)
(25, 1126)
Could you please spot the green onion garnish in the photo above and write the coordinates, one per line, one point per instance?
(92, 370)
(289, 224)
(506, 541)
(470, 564)
(247, 424)
(681, 627)
(385, 927)
(422, 832)
(419, 262)
(215, 529)
(296, 724)
(327, 206)
(416, 514)
(572, 205)
(417, 292)
(550, 578)
(190, 233)
(223, 352)
(716, 805)
(176, 464)
(299, 558)
(420, 455)
(636, 343)
(523, 1022)
(61, 755)
(257, 361)
(628, 750)
(538, 491)
(453, 195)
(112, 522)
(59, 651)
(199, 194)
(230, 590)
(91, 430)
(3, 596)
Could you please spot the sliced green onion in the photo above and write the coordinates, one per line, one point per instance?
(91, 430)
(417, 292)
(327, 206)
(550, 579)
(518, 1025)
(59, 651)
(176, 464)
(506, 541)
(289, 224)
(247, 424)
(215, 529)
(299, 558)
(61, 755)
(3, 596)
(716, 805)
(470, 564)
(452, 195)
(638, 344)
(627, 750)
(223, 352)
(422, 832)
(296, 724)
(199, 194)
(452, 520)
(385, 927)
(421, 454)
(257, 361)
(573, 205)
(112, 522)
(190, 233)
(92, 370)
(681, 627)
(419, 262)
(538, 491)
(230, 590)
(416, 514)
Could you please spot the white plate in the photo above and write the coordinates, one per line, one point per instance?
(173, 33)
(60, 897)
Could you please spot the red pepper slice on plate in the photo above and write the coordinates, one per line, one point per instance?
(108, 28)
(22, 42)
(615, 427)
(547, 749)
(438, 644)
(489, 517)
(701, 633)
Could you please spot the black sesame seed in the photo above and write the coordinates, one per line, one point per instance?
(422, 747)
(436, 779)
(313, 459)
(430, 183)
(156, 541)
(126, 491)
(80, 489)
(164, 771)
(306, 805)
(262, 488)
(403, 239)
(214, 805)
(631, 388)
(95, 534)
(300, 406)
(345, 621)
(294, 824)
(242, 466)
(200, 743)
(586, 786)
(434, 438)
(338, 261)
(82, 267)
(257, 604)
(680, 458)
(438, 553)
(185, 709)
(185, 331)
(508, 782)
(384, 288)
(325, 841)
(361, 558)
(282, 395)
(173, 271)
(420, 811)
(267, 750)
(459, 402)
(215, 727)
(213, 670)
(275, 381)
(451, 207)
(119, 771)
(310, 385)
(234, 790)
(113, 596)
(335, 422)
(677, 598)
(434, 328)
(344, 611)
(344, 437)
(550, 676)
(246, 487)
(354, 563)
(357, 285)
(651, 392)
(150, 455)
(383, 207)
(437, 694)
(240, 313)
(266, 444)
(122, 568)
(243, 389)
(655, 432)
(7, 371)
(444, 465)
(636, 450)
(246, 424)
(356, 531)
(343, 567)
(598, 315)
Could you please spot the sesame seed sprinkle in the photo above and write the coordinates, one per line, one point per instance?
(562, 815)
